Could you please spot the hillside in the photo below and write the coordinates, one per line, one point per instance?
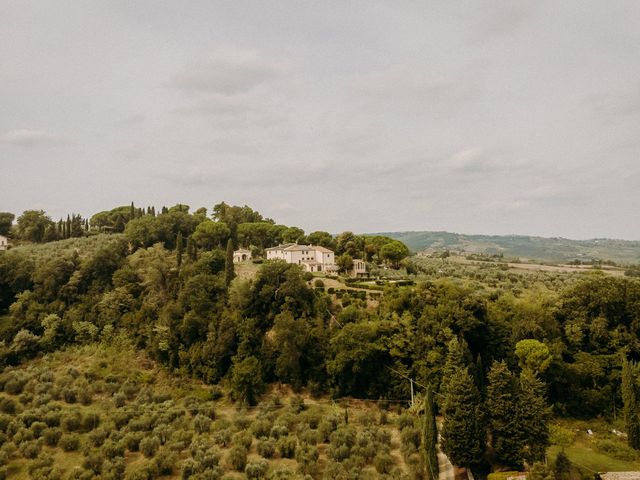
(111, 411)
(524, 247)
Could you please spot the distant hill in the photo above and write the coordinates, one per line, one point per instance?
(524, 247)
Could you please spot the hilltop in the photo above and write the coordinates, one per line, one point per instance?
(524, 247)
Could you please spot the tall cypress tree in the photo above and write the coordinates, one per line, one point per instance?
(463, 430)
(501, 407)
(532, 416)
(179, 248)
(192, 251)
(430, 434)
(630, 401)
(228, 264)
(132, 212)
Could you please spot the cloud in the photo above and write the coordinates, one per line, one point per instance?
(499, 18)
(616, 106)
(407, 89)
(31, 138)
(228, 72)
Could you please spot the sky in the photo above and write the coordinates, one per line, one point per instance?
(493, 117)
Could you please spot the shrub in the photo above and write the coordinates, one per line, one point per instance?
(119, 400)
(149, 446)
(257, 469)
(237, 458)
(312, 437)
(90, 421)
(410, 438)
(267, 447)
(165, 460)
(93, 462)
(383, 463)
(132, 441)
(69, 442)
(297, 403)
(222, 437)
(38, 428)
(112, 449)
(406, 420)
(98, 436)
(318, 283)
(7, 405)
(71, 421)
(243, 439)
(307, 458)
(278, 431)
(52, 419)
(287, 446)
(202, 424)
(30, 449)
(261, 428)
(70, 395)
(52, 436)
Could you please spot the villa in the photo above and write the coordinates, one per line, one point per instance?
(312, 258)
(4, 242)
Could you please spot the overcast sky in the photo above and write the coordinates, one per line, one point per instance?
(475, 117)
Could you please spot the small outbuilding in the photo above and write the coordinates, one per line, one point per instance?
(4, 242)
(241, 255)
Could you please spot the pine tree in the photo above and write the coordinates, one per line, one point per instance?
(532, 416)
(463, 431)
(228, 264)
(501, 407)
(430, 435)
(630, 401)
(179, 248)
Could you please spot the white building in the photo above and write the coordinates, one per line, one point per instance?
(4, 242)
(359, 268)
(312, 257)
(241, 255)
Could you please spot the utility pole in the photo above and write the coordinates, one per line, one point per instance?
(412, 402)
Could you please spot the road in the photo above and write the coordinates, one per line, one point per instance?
(446, 469)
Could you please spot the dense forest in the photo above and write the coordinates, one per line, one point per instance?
(514, 350)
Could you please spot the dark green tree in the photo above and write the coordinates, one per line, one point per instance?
(532, 417)
(430, 437)
(229, 272)
(246, 380)
(463, 429)
(6, 221)
(192, 250)
(32, 225)
(630, 402)
(501, 407)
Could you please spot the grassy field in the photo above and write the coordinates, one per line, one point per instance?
(111, 412)
(601, 451)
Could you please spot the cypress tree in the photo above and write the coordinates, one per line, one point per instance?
(463, 431)
(430, 434)
(457, 357)
(179, 248)
(132, 212)
(501, 407)
(192, 252)
(531, 417)
(630, 401)
(228, 264)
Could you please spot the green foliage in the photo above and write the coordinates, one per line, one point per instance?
(630, 400)
(463, 428)
(502, 422)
